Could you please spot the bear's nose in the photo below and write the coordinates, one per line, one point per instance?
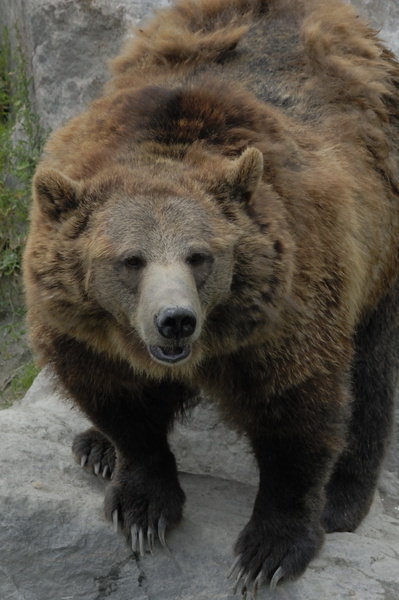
(176, 322)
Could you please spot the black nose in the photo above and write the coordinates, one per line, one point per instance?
(176, 322)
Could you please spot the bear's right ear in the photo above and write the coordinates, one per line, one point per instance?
(56, 193)
(245, 174)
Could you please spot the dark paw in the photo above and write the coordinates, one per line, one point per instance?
(269, 551)
(144, 505)
(94, 451)
(347, 503)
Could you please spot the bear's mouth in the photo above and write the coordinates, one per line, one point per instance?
(170, 354)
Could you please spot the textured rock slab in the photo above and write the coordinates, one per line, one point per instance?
(384, 16)
(67, 45)
(56, 545)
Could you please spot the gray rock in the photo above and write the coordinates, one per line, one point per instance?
(67, 45)
(56, 544)
(384, 16)
(204, 445)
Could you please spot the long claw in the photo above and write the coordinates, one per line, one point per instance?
(133, 531)
(141, 542)
(245, 584)
(83, 460)
(105, 471)
(115, 520)
(162, 531)
(257, 583)
(237, 581)
(279, 574)
(150, 539)
(234, 566)
(97, 468)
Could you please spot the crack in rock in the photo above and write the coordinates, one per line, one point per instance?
(109, 584)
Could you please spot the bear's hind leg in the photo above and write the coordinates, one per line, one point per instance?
(92, 450)
(350, 490)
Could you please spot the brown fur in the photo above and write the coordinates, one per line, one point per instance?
(242, 165)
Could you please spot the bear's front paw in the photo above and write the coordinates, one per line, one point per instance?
(273, 550)
(93, 451)
(143, 506)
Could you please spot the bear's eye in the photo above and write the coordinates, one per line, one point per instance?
(196, 259)
(133, 262)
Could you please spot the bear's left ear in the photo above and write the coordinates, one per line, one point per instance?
(245, 174)
(55, 192)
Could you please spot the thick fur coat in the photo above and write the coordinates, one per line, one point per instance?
(226, 218)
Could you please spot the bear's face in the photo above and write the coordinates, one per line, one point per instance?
(153, 249)
(159, 266)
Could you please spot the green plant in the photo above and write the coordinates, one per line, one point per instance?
(21, 143)
(20, 380)
(23, 379)
(4, 81)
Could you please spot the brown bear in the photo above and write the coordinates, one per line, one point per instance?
(226, 218)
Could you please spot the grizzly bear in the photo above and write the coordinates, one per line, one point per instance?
(225, 218)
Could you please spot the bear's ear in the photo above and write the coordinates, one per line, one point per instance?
(56, 193)
(245, 173)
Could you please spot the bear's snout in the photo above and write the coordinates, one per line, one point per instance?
(169, 316)
(176, 322)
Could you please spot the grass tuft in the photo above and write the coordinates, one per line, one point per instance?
(21, 142)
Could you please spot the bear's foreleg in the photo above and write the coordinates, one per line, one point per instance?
(144, 496)
(296, 439)
(135, 415)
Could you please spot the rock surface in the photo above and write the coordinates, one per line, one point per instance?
(55, 543)
(384, 16)
(67, 45)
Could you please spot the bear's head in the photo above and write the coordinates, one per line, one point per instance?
(155, 249)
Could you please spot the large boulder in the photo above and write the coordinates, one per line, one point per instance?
(56, 544)
(67, 45)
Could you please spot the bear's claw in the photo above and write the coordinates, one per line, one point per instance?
(279, 574)
(162, 531)
(137, 535)
(234, 566)
(258, 581)
(115, 520)
(138, 540)
(246, 580)
(151, 539)
(93, 451)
